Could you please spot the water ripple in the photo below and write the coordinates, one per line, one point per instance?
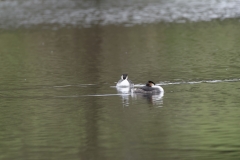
(201, 81)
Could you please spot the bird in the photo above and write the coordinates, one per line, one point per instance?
(124, 81)
(150, 87)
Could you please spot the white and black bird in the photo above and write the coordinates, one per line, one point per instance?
(124, 81)
(150, 87)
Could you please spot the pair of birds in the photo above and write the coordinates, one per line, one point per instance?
(150, 86)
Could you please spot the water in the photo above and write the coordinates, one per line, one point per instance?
(58, 95)
(82, 13)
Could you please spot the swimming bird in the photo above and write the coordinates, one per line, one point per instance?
(150, 87)
(124, 81)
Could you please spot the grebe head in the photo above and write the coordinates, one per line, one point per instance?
(124, 81)
(150, 84)
(124, 76)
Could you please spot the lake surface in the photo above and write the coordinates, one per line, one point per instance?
(59, 101)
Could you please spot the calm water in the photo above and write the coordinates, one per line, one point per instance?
(58, 99)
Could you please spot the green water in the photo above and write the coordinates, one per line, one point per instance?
(57, 99)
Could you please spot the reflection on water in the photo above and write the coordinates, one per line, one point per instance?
(57, 101)
(154, 99)
(125, 92)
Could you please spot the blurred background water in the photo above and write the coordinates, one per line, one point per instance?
(83, 13)
(60, 61)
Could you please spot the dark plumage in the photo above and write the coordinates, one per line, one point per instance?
(149, 88)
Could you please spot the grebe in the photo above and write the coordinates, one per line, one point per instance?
(124, 81)
(149, 88)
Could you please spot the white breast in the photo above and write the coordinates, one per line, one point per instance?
(124, 83)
